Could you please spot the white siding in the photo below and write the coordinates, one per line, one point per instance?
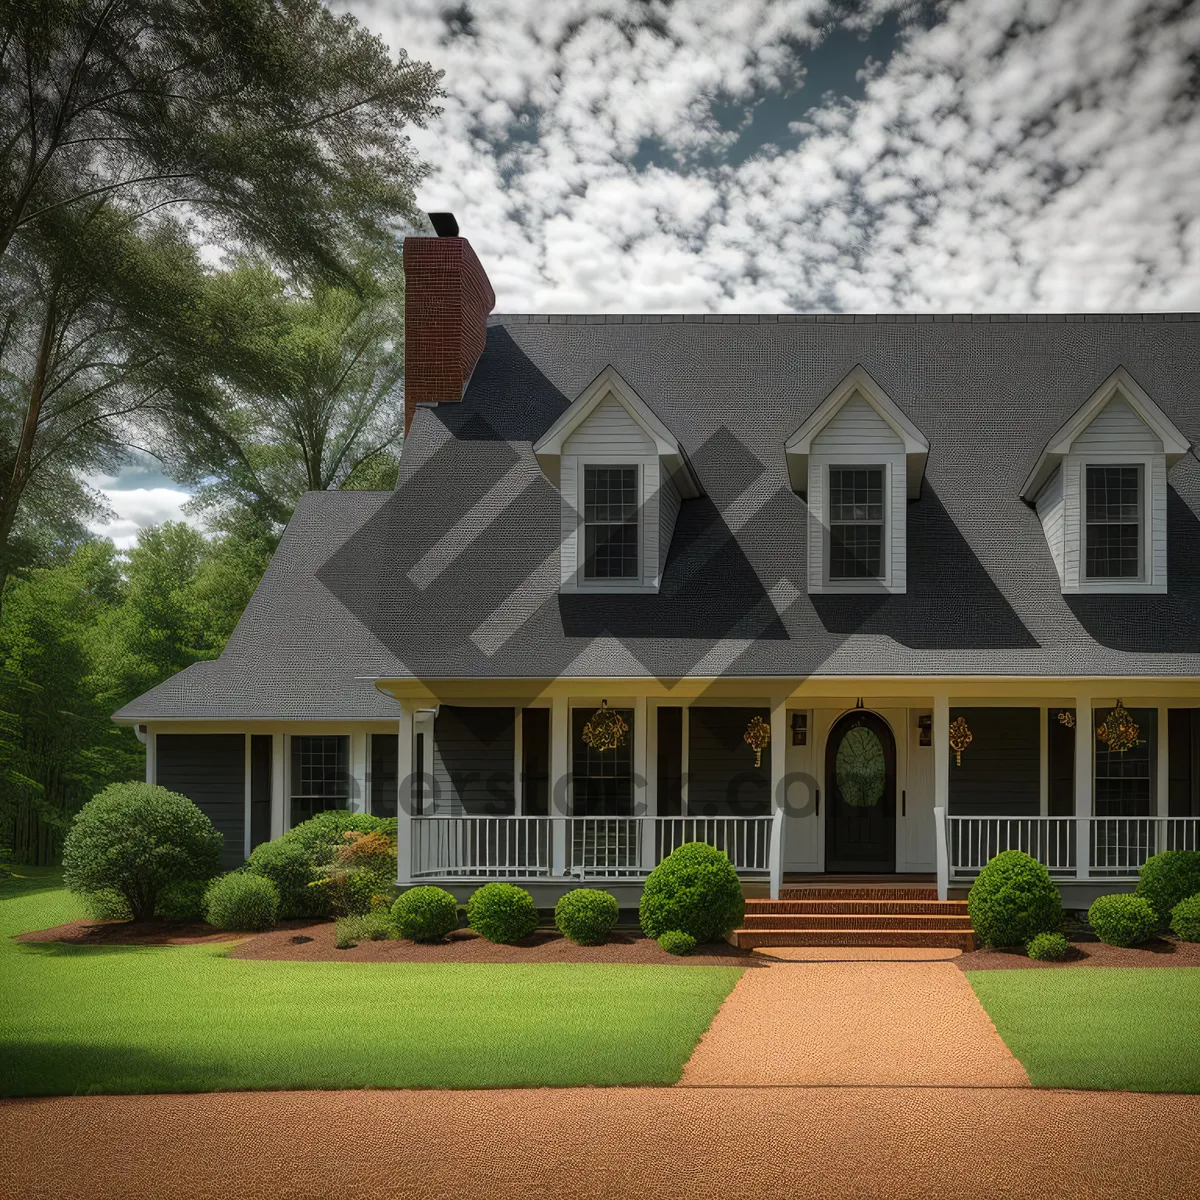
(608, 429)
(669, 501)
(1051, 509)
(569, 483)
(648, 532)
(1116, 428)
(1157, 481)
(856, 428)
(1072, 473)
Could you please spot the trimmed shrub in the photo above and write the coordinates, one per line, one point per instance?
(1123, 920)
(362, 927)
(1048, 947)
(1167, 878)
(1185, 919)
(1013, 900)
(502, 912)
(425, 914)
(586, 916)
(288, 866)
(675, 941)
(106, 905)
(694, 889)
(241, 901)
(182, 901)
(136, 839)
(363, 867)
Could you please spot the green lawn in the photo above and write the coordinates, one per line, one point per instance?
(173, 1019)
(1127, 1028)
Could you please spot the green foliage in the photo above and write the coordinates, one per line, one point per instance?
(106, 905)
(675, 941)
(137, 839)
(1048, 947)
(502, 912)
(1013, 900)
(372, 926)
(1123, 920)
(694, 889)
(289, 867)
(1167, 878)
(425, 914)
(183, 901)
(241, 901)
(1185, 919)
(586, 915)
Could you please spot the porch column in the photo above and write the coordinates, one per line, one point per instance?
(151, 756)
(278, 785)
(560, 796)
(778, 790)
(1084, 770)
(941, 789)
(358, 772)
(404, 792)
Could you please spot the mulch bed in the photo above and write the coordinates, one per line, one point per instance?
(1087, 951)
(130, 933)
(464, 946)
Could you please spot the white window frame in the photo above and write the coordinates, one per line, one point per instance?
(1149, 502)
(1142, 522)
(861, 582)
(627, 582)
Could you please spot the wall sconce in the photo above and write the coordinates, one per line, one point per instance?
(799, 729)
(925, 730)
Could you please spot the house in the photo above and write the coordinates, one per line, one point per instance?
(843, 595)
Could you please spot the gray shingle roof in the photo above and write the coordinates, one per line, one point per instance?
(455, 574)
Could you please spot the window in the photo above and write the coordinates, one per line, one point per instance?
(610, 516)
(1114, 518)
(320, 775)
(601, 780)
(856, 523)
(1124, 780)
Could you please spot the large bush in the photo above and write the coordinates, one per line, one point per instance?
(1167, 878)
(1123, 920)
(136, 839)
(1185, 919)
(240, 900)
(182, 901)
(586, 916)
(425, 914)
(502, 912)
(695, 890)
(1013, 900)
(303, 862)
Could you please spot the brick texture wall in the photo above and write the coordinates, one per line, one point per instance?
(446, 305)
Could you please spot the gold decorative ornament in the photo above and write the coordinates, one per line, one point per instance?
(1119, 731)
(605, 730)
(757, 737)
(960, 738)
(1067, 719)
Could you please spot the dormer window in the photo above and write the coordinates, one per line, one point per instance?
(1100, 489)
(622, 475)
(856, 522)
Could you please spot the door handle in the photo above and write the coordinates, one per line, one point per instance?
(903, 803)
(818, 812)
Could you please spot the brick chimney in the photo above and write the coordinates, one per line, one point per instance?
(446, 303)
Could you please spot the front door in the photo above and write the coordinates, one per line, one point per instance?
(860, 787)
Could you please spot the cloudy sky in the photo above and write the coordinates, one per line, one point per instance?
(807, 155)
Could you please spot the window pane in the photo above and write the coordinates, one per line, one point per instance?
(610, 552)
(1112, 552)
(320, 775)
(856, 552)
(1112, 493)
(1113, 518)
(601, 780)
(856, 495)
(610, 494)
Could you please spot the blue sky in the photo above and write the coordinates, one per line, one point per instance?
(801, 155)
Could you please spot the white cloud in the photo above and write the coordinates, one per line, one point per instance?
(1039, 155)
(136, 508)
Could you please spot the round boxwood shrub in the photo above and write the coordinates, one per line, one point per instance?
(1013, 900)
(182, 901)
(106, 905)
(1123, 920)
(425, 914)
(586, 916)
(136, 839)
(502, 912)
(675, 941)
(694, 889)
(240, 900)
(1048, 947)
(1185, 919)
(1167, 878)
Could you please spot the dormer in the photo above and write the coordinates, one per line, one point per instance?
(622, 475)
(857, 460)
(1100, 489)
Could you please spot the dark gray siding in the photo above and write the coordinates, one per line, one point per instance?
(1183, 745)
(473, 760)
(260, 788)
(722, 778)
(210, 769)
(1000, 768)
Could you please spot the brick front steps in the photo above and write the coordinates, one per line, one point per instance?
(851, 916)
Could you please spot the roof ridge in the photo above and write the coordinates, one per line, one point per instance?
(829, 318)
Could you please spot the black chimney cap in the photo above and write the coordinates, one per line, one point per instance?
(444, 224)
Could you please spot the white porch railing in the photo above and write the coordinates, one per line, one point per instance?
(470, 848)
(1115, 847)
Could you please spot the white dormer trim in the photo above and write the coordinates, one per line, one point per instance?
(1117, 426)
(916, 448)
(1175, 445)
(609, 425)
